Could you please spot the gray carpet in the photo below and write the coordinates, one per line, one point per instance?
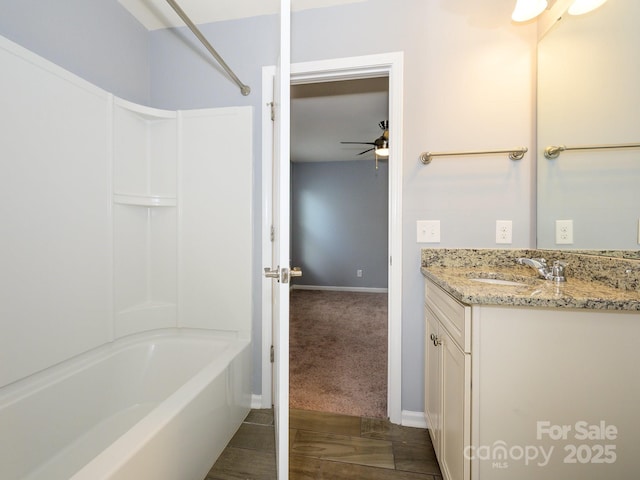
(338, 352)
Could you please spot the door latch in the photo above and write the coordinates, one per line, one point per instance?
(272, 272)
(282, 274)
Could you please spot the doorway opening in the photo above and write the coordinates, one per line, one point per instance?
(388, 65)
(339, 237)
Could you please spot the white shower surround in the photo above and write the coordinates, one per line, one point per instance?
(119, 219)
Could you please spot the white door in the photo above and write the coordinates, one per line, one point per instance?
(279, 270)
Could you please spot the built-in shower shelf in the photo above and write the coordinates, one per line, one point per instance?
(144, 200)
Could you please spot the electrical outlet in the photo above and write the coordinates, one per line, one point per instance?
(504, 231)
(564, 232)
(358, 273)
(428, 231)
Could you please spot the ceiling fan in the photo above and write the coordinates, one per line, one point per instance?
(380, 145)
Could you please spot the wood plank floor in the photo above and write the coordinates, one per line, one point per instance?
(328, 446)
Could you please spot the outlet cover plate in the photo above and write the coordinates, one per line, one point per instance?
(564, 232)
(504, 231)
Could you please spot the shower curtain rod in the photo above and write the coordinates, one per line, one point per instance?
(244, 89)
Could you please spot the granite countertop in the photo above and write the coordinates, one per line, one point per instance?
(594, 283)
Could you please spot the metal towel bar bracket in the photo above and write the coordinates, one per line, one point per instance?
(553, 151)
(514, 154)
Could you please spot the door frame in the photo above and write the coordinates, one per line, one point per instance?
(380, 65)
(265, 400)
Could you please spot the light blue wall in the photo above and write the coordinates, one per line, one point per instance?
(97, 40)
(186, 76)
(339, 223)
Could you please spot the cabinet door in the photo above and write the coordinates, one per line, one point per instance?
(456, 408)
(432, 378)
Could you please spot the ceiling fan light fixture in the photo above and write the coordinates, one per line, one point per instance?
(580, 7)
(382, 146)
(526, 10)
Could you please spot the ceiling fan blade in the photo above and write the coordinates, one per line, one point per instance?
(361, 143)
(370, 150)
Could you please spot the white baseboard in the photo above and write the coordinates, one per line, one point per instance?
(340, 289)
(413, 419)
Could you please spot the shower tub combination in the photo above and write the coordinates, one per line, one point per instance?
(158, 405)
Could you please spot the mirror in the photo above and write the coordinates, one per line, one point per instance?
(589, 94)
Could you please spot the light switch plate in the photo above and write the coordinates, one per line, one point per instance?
(428, 231)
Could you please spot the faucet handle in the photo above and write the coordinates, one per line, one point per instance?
(543, 261)
(557, 271)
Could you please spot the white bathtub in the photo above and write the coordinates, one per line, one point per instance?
(152, 406)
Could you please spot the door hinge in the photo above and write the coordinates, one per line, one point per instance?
(272, 106)
(272, 354)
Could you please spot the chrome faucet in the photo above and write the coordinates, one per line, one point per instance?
(555, 272)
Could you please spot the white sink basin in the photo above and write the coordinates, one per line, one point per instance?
(495, 281)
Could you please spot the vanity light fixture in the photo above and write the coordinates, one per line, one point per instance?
(526, 10)
(579, 7)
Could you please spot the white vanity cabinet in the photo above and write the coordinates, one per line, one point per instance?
(432, 378)
(531, 392)
(448, 380)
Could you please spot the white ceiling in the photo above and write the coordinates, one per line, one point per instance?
(323, 115)
(155, 14)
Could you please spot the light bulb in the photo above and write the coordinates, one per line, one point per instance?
(578, 7)
(527, 9)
